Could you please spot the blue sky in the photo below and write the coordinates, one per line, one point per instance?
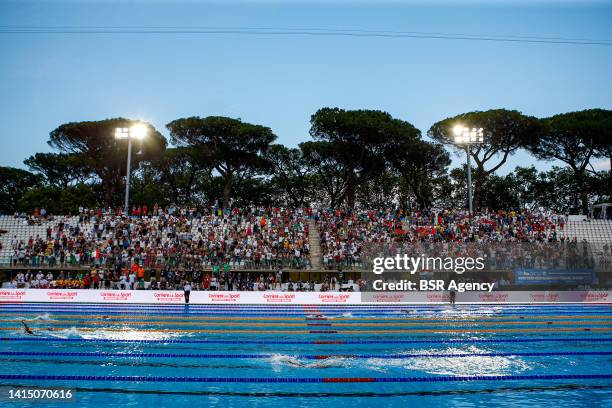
(279, 81)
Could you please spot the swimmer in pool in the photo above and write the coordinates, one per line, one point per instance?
(26, 328)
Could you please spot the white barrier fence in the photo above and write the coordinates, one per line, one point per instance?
(298, 298)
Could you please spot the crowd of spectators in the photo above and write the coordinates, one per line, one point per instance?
(210, 248)
(135, 279)
(354, 238)
(266, 238)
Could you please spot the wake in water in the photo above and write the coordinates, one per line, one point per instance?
(464, 366)
(346, 314)
(66, 333)
(455, 313)
(125, 335)
(417, 365)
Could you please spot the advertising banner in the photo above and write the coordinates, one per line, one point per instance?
(298, 298)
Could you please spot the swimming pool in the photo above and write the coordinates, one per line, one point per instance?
(173, 355)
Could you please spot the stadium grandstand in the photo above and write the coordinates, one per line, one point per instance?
(276, 248)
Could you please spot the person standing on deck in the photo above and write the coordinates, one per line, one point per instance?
(187, 291)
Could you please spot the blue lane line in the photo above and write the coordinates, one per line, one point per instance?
(320, 342)
(118, 378)
(303, 356)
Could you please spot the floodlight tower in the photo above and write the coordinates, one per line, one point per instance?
(138, 131)
(465, 136)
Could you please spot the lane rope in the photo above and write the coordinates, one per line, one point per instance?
(457, 323)
(303, 356)
(149, 379)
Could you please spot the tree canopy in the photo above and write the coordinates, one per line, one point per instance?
(360, 140)
(60, 169)
(291, 173)
(355, 158)
(14, 183)
(421, 166)
(576, 138)
(234, 148)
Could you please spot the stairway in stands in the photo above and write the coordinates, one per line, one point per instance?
(314, 239)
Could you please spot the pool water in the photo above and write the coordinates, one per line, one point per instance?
(278, 356)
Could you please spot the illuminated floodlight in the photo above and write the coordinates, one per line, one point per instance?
(122, 133)
(458, 130)
(465, 135)
(139, 131)
(476, 135)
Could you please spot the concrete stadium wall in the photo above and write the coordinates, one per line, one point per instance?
(297, 298)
